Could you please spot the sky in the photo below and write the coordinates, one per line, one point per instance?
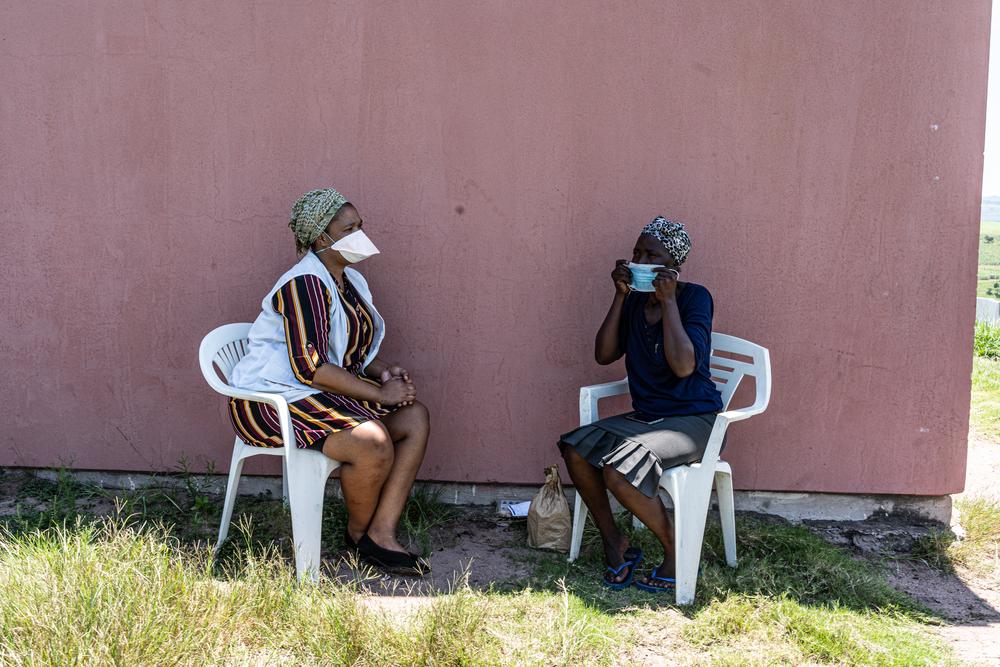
(991, 167)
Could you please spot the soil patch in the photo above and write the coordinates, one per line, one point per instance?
(969, 609)
(478, 548)
(489, 552)
(982, 470)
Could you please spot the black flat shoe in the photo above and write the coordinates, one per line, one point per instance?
(395, 562)
(349, 544)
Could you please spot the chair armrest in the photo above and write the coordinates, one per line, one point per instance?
(722, 422)
(591, 394)
(598, 391)
(276, 401)
(743, 413)
(280, 405)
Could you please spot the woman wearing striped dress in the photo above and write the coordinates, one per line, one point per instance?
(316, 343)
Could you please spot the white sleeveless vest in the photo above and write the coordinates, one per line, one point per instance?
(266, 366)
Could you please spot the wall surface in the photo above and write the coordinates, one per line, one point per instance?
(825, 156)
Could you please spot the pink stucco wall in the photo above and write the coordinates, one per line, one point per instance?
(825, 156)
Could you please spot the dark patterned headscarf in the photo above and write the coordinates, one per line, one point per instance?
(312, 213)
(672, 235)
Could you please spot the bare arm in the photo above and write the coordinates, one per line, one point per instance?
(376, 367)
(607, 346)
(333, 378)
(677, 347)
(678, 350)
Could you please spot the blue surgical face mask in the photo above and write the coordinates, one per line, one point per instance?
(643, 276)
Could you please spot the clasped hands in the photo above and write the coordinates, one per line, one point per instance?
(397, 388)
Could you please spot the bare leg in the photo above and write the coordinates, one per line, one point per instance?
(590, 485)
(409, 428)
(366, 456)
(649, 510)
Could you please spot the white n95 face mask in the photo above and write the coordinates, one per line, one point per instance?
(354, 247)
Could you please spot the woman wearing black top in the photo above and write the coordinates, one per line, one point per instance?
(664, 331)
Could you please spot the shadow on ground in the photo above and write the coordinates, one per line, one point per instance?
(878, 564)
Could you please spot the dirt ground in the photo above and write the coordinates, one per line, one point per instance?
(982, 472)
(970, 607)
(489, 552)
(486, 550)
(974, 606)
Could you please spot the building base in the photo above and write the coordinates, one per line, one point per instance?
(793, 506)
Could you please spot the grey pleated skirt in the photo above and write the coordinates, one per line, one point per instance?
(639, 451)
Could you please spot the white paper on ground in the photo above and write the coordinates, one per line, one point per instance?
(514, 508)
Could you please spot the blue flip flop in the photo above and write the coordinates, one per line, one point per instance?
(615, 571)
(672, 584)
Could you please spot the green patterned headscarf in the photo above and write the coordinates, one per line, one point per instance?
(312, 213)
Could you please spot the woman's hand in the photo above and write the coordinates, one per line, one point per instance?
(399, 372)
(397, 391)
(621, 276)
(383, 371)
(665, 284)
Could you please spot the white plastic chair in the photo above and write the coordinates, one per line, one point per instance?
(304, 472)
(690, 486)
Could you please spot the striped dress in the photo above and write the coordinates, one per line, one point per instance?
(304, 305)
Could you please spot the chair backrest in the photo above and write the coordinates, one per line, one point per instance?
(221, 348)
(727, 373)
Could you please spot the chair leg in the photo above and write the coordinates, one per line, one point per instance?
(235, 470)
(306, 487)
(284, 481)
(579, 521)
(690, 512)
(727, 514)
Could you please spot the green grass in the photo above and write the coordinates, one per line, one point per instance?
(107, 593)
(140, 587)
(979, 552)
(984, 415)
(985, 410)
(986, 340)
(989, 260)
(423, 512)
(830, 634)
(794, 599)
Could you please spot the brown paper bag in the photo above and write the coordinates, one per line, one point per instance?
(550, 525)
